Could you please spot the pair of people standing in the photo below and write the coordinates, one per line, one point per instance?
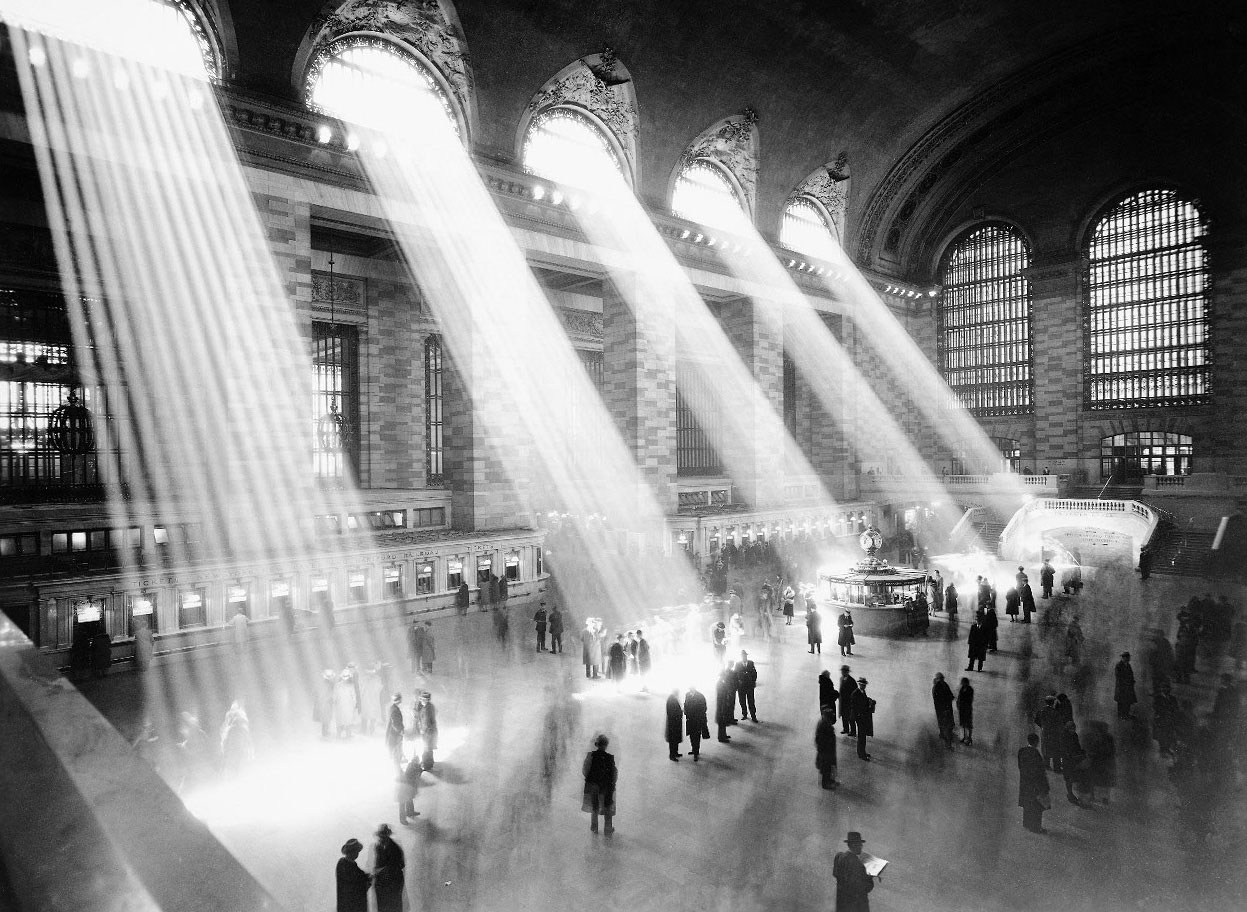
(386, 879)
(553, 620)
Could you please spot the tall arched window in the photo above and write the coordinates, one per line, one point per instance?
(434, 461)
(564, 145)
(804, 229)
(985, 350)
(1147, 321)
(703, 193)
(175, 39)
(373, 82)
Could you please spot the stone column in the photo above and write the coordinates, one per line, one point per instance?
(1057, 351)
(1227, 329)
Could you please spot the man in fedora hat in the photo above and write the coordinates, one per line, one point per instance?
(353, 883)
(862, 708)
(394, 728)
(387, 871)
(852, 882)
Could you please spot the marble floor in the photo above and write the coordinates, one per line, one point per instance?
(745, 829)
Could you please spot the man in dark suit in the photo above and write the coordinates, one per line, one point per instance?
(695, 722)
(556, 629)
(746, 683)
(394, 731)
(724, 703)
(862, 708)
(675, 726)
(1032, 784)
(539, 619)
(847, 688)
(852, 882)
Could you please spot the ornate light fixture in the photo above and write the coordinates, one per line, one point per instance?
(70, 431)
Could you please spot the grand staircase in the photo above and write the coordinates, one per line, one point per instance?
(1180, 552)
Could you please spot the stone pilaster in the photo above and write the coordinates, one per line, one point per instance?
(1057, 351)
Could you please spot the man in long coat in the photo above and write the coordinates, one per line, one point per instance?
(724, 703)
(556, 630)
(1050, 722)
(746, 685)
(539, 621)
(1123, 691)
(847, 686)
(415, 646)
(426, 723)
(590, 650)
(696, 723)
(977, 643)
(825, 747)
(852, 882)
(1046, 577)
(1028, 602)
(1032, 784)
(675, 725)
(863, 710)
(845, 637)
(394, 731)
(942, 695)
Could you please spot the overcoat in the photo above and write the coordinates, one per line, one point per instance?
(675, 720)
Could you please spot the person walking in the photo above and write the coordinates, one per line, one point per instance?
(853, 884)
(827, 693)
(1101, 751)
(845, 637)
(1074, 763)
(1123, 689)
(371, 699)
(353, 882)
(675, 725)
(1046, 577)
(991, 627)
(848, 685)
(942, 696)
(1032, 785)
(977, 643)
(556, 630)
(696, 720)
(426, 724)
(539, 621)
(863, 710)
(388, 866)
(415, 646)
(1051, 723)
(407, 786)
(1165, 714)
(1074, 640)
(813, 627)
(394, 729)
(587, 640)
(965, 711)
(724, 704)
(746, 684)
(825, 747)
(1013, 604)
(600, 775)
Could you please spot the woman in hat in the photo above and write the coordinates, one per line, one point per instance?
(600, 777)
(387, 871)
(353, 883)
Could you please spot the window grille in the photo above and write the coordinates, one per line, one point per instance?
(336, 366)
(704, 194)
(698, 424)
(434, 445)
(564, 145)
(1147, 315)
(804, 229)
(985, 338)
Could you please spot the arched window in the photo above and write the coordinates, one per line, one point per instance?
(434, 456)
(373, 82)
(564, 145)
(704, 194)
(804, 229)
(1147, 322)
(175, 39)
(1128, 457)
(985, 351)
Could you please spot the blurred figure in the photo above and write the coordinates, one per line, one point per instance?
(617, 663)
(601, 775)
(1074, 763)
(539, 621)
(238, 628)
(950, 601)
(370, 697)
(236, 748)
(1101, 759)
(848, 686)
(675, 725)
(1123, 690)
(405, 791)
(825, 747)
(195, 751)
(1074, 640)
(746, 685)
(322, 708)
(395, 728)
(556, 630)
(965, 711)
(976, 644)
(844, 636)
(863, 710)
(942, 696)
(644, 660)
(991, 627)
(827, 693)
(631, 648)
(1028, 600)
(415, 646)
(724, 704)
(388, 866)
(813, 627)
(1046, 578)
(853, 884)
(1032, 785)
(426, 725)
(1165, 713)
(1013, 603)
(718, 640)
(430, 649)
(696, 719)
(353, 883)
(588, 639)
(345, 704)
(1051, 725)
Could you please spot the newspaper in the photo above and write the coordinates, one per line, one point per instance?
(874, 866)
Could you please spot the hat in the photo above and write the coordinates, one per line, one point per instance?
(384, 830)
(854, 836)
(424, 694)
(352, 847)
(1125, 655)
(862, 681)
(844, 667)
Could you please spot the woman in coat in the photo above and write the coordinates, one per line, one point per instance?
(845, 636)
(827, 693)
(600, 774)
(789, 595)
(942, 696)
(675, 725)
(388, 866)
(813, 628)
(965, 711)
(353, 883)
(1013, 604)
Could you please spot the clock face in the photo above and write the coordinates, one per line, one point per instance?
(871, 539)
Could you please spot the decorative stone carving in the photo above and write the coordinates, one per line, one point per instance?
(207, 35)
(581, 323)
(429, 27)
(830, 186)
(733, 143)
(348, 293)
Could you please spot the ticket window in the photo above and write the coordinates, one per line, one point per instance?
(513, 567)
(484, 566)
(281, 599)
(454, 573)
(192, 608)
(320, 594)
(392, 577)
(143, 613)
(357, 587)
(424, 579)
(237, 598)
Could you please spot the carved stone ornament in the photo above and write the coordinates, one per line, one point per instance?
(733, 143)
(582, 323)
(347, 292)
(830, 186)
(204, 28)
(427, 26)
(599, 84)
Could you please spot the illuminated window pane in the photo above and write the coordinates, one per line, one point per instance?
(565, 146)
(698, 423)
(985, 322)
(372, 82)
(434, 452)
(1128, 457)
(1147, 326)
(336, 370)
(704, 194)
(174, 40)
(805, 230)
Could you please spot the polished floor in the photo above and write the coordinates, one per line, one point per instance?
(747, 828)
